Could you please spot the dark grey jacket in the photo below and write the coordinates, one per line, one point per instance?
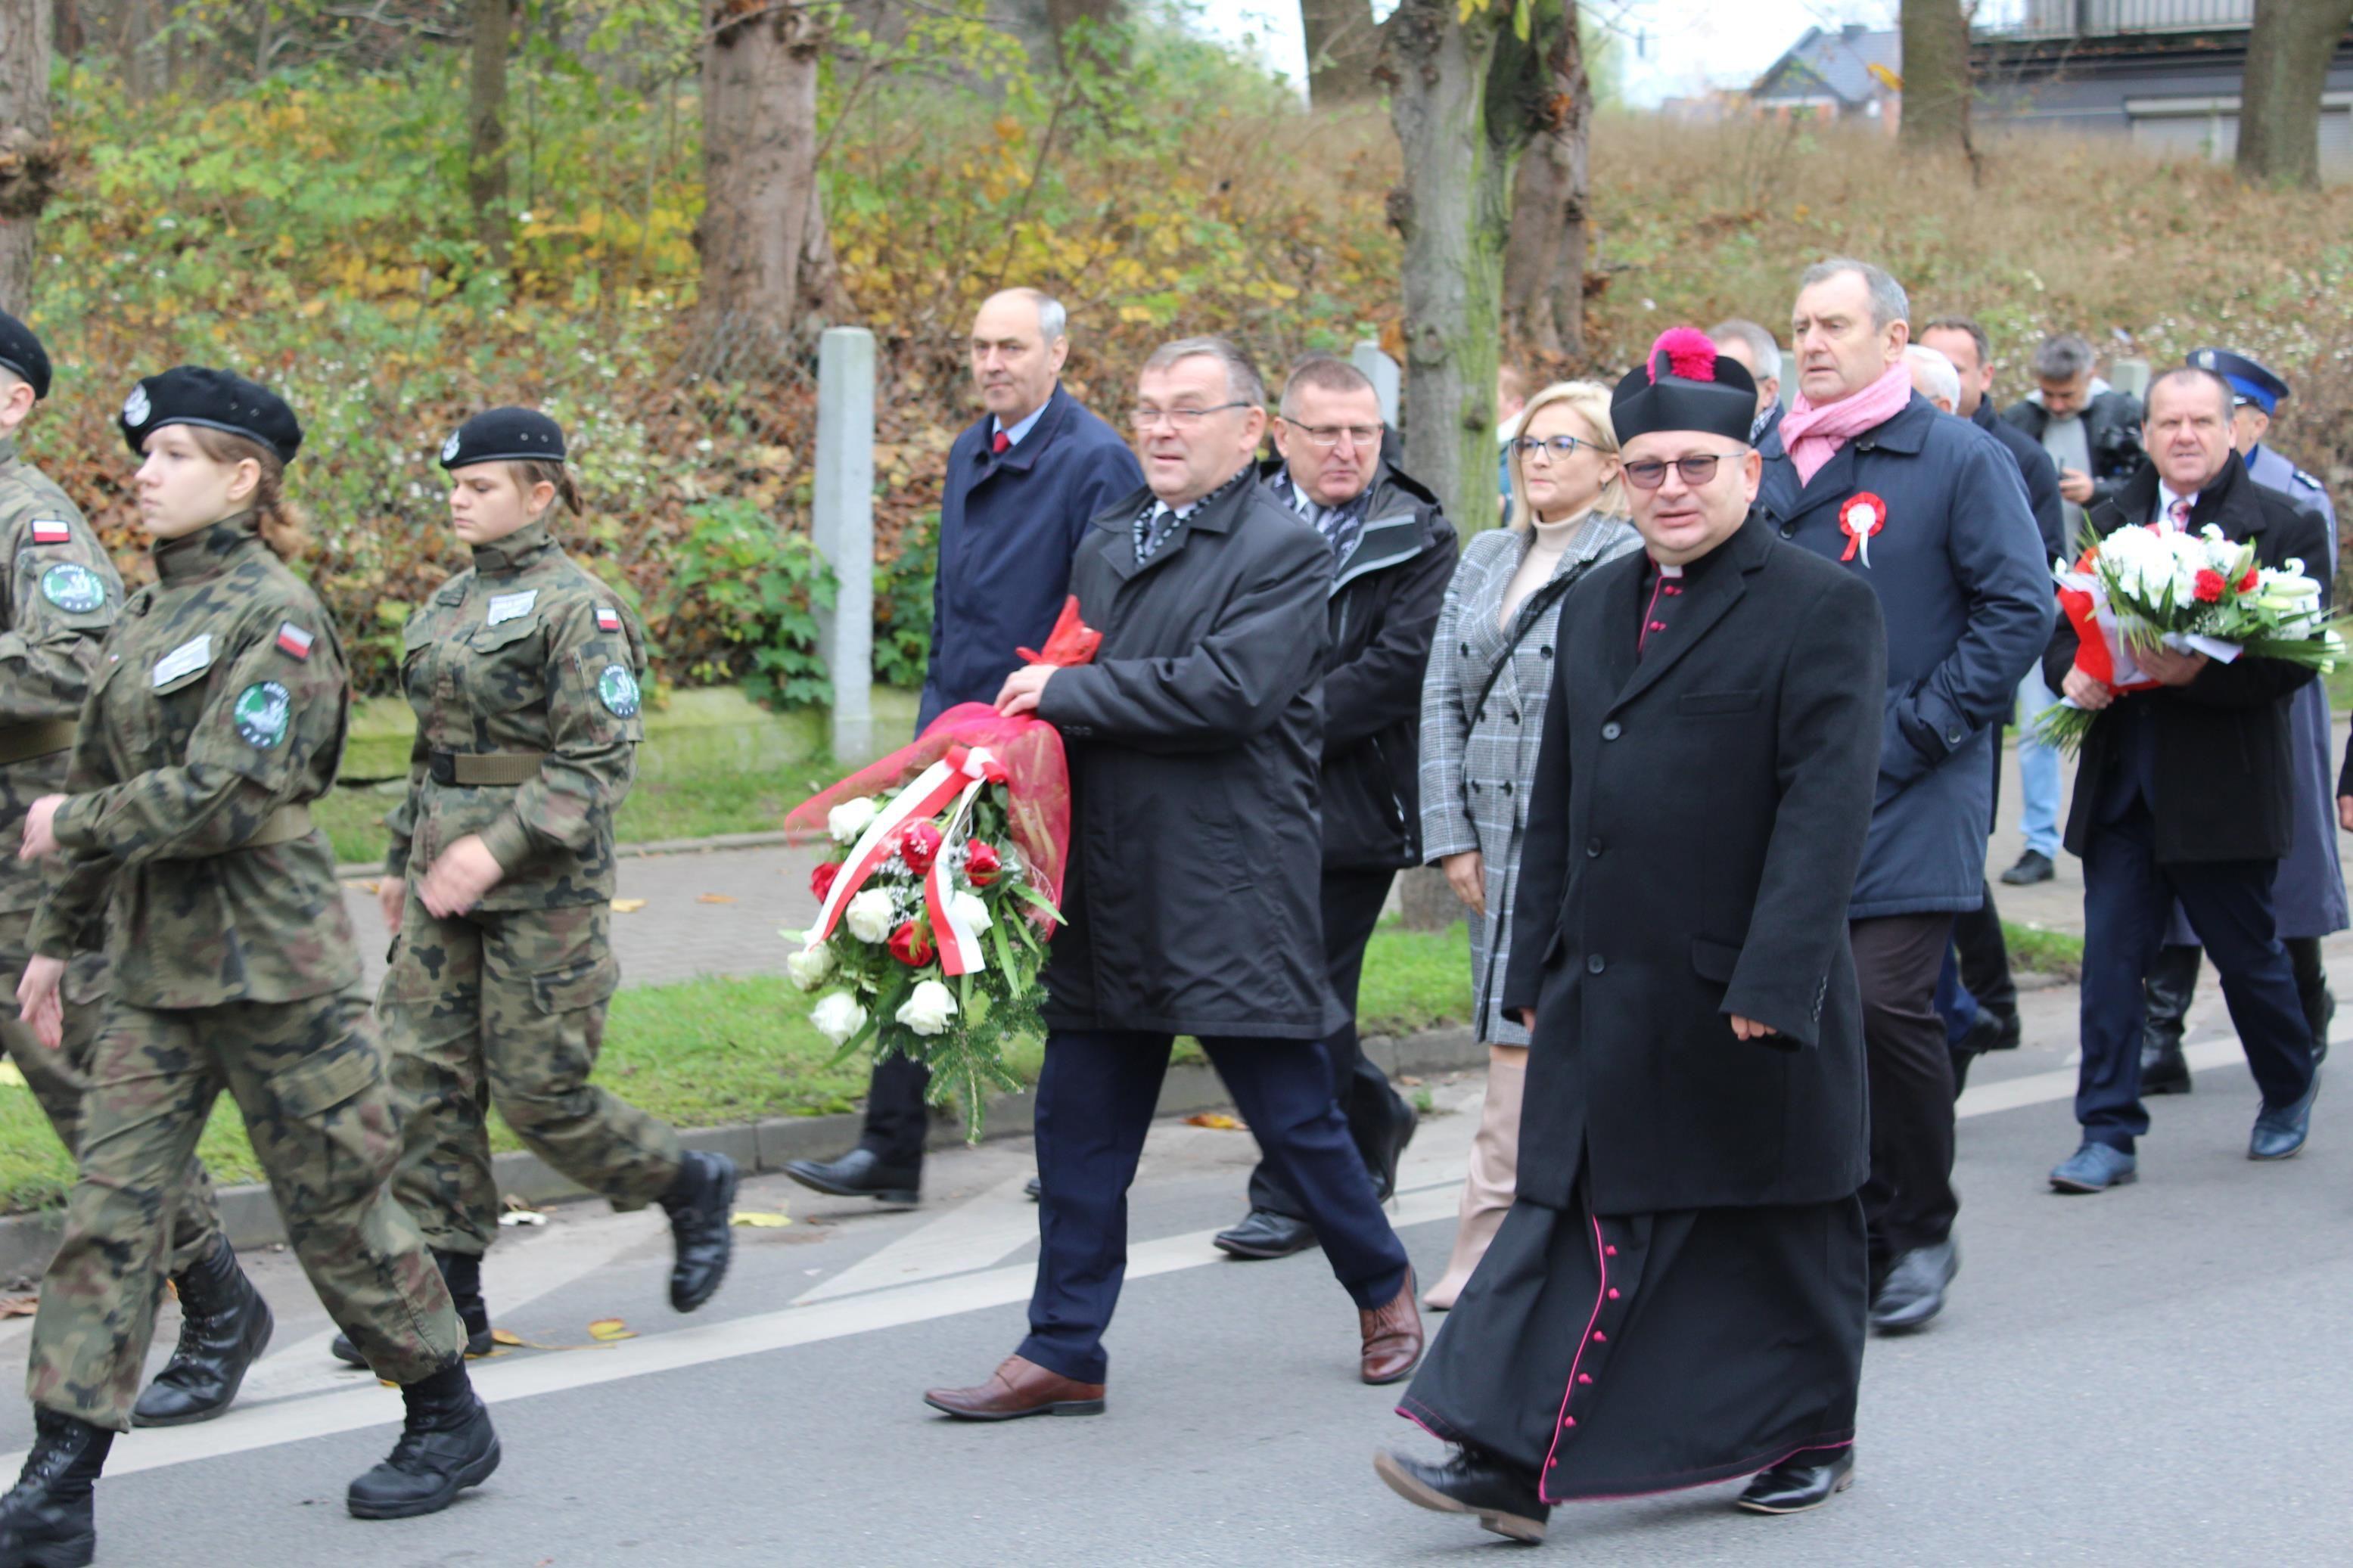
(1195, 738)
(2112, 427)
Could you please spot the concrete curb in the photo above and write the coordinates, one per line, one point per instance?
(250, 1214)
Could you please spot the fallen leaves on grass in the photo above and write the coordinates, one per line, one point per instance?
(628, 906)
(9, 1077)
(1217, 1121)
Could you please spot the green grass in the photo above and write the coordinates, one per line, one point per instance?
(2043, 952)
(710, 1052)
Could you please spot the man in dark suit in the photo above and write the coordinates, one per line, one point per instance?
(2186, 793)
(1189, 901)
(1677, 1296)
(1021, 483)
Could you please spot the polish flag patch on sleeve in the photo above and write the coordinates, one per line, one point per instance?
(292, 640)
(52, 531)
(608, 619)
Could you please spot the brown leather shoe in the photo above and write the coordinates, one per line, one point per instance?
(1020, 1388)
(1392, 1336)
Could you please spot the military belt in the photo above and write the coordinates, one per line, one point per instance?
(495, 768)
(283, 826)
(39, 739)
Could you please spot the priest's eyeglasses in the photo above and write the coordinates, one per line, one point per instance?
(1551, 448)
(1696, 469)
(1324, 438)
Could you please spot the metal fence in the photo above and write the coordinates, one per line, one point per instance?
(2109, 18)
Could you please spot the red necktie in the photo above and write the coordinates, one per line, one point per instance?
(998, 443)
(2180, 512)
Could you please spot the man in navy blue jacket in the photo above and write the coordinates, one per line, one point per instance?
(1022, 482)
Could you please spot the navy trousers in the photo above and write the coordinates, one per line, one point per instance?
(1095, 1099)
(2129, 901)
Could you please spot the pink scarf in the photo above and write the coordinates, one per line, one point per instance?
(1812, 436)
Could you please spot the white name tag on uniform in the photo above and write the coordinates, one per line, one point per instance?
(185, 659)
(508, 606)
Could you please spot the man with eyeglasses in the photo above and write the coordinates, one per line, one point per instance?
(1195, 740)
(1392, 555)
(1931, 512)
(1677, 1296)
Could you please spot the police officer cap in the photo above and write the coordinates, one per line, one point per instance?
(2250, 380)
(214, 399)
(504, 436)
(1684, 386)
(22, 352)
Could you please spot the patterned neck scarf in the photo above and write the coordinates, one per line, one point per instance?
(1342, 526)
(1158, 523)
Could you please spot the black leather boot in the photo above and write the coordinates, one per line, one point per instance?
(2312, 988)
(47, 1520)
(462, 1273)
(702, 1207)
(446, 1446)
(2172, 982)
(225, 1325)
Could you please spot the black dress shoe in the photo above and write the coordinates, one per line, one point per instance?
(225, 1325)
(446, 1446)
(2164, 1070)
(1383, 1168)
(1470, 1483)
(2033, 866)
(1032, 1189)
(462, 1273)
(1266, 1234)
(1914, 1290)
(861, 1174)
(1794, 1485)
(701, 1207)
(1984, 1034)
(47, 1520)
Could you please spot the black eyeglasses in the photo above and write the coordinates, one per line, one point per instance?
(1696, 469)
(1557, 447)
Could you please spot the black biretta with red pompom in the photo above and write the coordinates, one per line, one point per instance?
(1684, 386)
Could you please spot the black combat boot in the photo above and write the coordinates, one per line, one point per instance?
(446, 1446)
(46, 1521)
(702, 1207)
(2312, 989)
(462, 1273)
(225, 1325)
(2172, 981)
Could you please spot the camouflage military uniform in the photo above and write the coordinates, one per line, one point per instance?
(525, 673)
(59, 594)
(217, 713)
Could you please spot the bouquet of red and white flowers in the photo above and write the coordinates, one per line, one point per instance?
(2192, 593)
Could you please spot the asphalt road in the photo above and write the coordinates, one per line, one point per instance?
(2152, 1376)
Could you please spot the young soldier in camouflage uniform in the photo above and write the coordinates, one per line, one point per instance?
(216, 715)
(525, 674)
(59, 594)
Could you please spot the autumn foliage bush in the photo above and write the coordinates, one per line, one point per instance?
(312, 229)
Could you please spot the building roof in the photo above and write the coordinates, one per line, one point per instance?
(1837, 63)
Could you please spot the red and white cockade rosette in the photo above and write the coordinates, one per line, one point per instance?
(2139, 590)
(931, 928)
(1863, 515)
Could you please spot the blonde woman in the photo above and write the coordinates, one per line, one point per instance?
(1483, 707)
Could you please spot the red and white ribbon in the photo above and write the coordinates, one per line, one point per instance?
(962, 770)
(1863, 515)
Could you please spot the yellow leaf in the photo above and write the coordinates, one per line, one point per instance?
(758, 1220)
(19, 1306)
(628, 906)
(505, 1337)
(605, 1330)
(1216, 1120)
(9, 1077)
(714, 898)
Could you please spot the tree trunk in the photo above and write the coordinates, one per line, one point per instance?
(486, 130)
(1344, 44)
(1935, 78)
(2288, 54)
(29, 155)
(759, 171)
(1062, 15)
(1544, 264)
(1452, 211)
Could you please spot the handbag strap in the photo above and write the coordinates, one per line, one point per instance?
(1531, 612)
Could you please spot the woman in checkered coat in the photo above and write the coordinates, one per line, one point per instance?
(1483, 707)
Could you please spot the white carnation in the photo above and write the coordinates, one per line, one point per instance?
(872, 915)
(928, 1009)
(837, 1016)
(850, 818)
(970, 909)
(808, 966)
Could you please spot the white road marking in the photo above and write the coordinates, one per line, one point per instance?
(983, 1231)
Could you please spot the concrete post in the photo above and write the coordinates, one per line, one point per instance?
(842, 523)
(1384, 376)
(2132, 375)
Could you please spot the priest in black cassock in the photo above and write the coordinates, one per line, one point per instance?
(1677, 1294)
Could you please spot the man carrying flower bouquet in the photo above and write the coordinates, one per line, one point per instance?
(2184, 791)
(1190, 893)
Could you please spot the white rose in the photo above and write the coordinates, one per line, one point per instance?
(872, 915)
(928, 1010)
(837, 1016)
(850, 818)
(971, 910)
(806, 967)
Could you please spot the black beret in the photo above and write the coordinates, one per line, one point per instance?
(1684, 386)
(504, 436)
(21, 351)
(215, 399)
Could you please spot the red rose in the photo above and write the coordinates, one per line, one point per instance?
(2211, 586)
(2248, 584)
(919, 844)
(910, 944)
(821, 879)
(981, 864)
